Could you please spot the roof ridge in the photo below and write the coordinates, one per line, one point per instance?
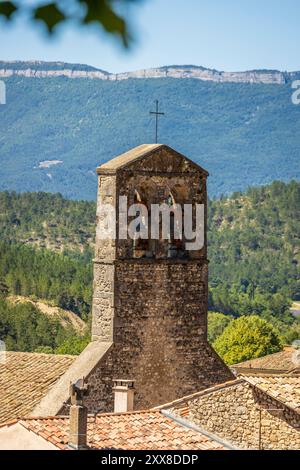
(285, 350)
(40, 354)
(90, 415)
(36, 418)
(229, 383)
(266, 376)
(286, 375)
(111, 413)
(272, 395)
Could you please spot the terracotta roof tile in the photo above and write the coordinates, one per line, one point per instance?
(284, 361)
(144, 430)
(284, 388)
(25, 378)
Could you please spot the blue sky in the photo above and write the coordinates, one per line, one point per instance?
(221, 34)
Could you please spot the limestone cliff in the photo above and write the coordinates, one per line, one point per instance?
(54, 69)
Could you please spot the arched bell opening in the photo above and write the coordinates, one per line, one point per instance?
(174, 248)
(141, 245)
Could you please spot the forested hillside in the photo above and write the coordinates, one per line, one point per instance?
(65, 279)
(254, 249)
(254, 252)
(47, 221)
(55, 131)
(23, 327)
(254, 240)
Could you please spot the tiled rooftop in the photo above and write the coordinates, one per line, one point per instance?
(284, 361)
(25, 378)
(182, 403)
(144, 430)
(282, 387)
(285, 388)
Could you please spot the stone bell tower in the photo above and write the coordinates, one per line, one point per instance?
(150, 296)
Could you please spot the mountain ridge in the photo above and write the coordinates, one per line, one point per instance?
(41, 69)
(55, 130)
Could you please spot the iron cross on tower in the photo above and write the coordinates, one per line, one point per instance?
(157, 113)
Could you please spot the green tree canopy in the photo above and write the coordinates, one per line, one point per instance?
(3, 289)
(73, 345)
(23, 327)
(47, 245)
(217, 322)
(247, 338)
(104, 13)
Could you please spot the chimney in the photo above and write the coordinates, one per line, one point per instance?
(78, 416)
(124, 394)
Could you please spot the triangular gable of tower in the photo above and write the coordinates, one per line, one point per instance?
(148, 157)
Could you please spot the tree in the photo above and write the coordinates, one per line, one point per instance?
(73, 345)
(247, 338)
(104, 13)
(3, 289)
(23, 327)
(217, 322)
(44, 349)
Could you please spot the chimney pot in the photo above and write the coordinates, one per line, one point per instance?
(123, 395)
(78, 416)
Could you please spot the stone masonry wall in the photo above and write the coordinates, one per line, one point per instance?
(233, 413)
(159, 335)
